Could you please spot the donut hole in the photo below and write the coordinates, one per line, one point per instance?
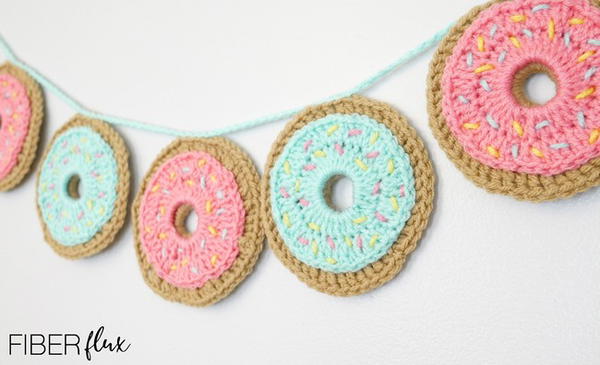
(74, 187)
(534, 85)
(339, 192)
(186, 220)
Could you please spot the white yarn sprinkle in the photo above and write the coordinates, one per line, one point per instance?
(540, 7)
(491, 121)
(558, 146)
(542, 124)
(485, 85)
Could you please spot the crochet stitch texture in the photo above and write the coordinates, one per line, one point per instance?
(349, 145)
(83, 187)
(372, 116)
(198, 181)
(484, 121)
(214, 177)
(21, 115)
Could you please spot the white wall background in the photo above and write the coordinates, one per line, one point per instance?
(494, 281)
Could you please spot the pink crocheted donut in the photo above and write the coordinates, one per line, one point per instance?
(483, 103)
(15, 115)
(191, 180)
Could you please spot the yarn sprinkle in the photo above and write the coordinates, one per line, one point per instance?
(362, 149)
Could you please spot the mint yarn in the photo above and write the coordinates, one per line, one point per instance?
(365, 151)
(80, 152)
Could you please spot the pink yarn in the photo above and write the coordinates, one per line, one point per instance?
(197, 179)
(480, 108)
(15, 113)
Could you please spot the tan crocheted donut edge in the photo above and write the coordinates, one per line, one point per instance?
(250, 244)
(107, 234)
(383, 270)
(30, 146)
(521, 186)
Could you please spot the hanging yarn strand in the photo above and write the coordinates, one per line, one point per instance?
(79, 108)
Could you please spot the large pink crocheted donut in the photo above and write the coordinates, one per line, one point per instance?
(483, 102)
(191, 180)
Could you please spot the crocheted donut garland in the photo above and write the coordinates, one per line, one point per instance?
(484, 120)
(358, 249)
(83, 187)
(216, 180)
(21, 114)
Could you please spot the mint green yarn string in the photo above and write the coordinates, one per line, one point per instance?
(286, 114)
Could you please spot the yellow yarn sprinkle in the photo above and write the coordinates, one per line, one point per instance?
(394, 202)
(374, 138)
(149, 229)
(213, 178)
(101, 211)
(172, 176)
(361, 164)
(518, 128)
(585, 93)
(373, 240)
(162, 235)
(315, 247)
(201, 162)
(481, 44)
(320, 154)
(471, 125)
(348, 241)
(213, 260)
(515, 41)
(332, 129)
(155, 188)
(585, 56)
(90, 204)
(185, 261)
(493, 151)
(518, 18)
(484, 68)
(594, 136)
(551, 29)
(314, 226)
(360, 220)
(286, 167)
(208, 206)
(162, 210)
(390, 166)
(331, 260)
(576, 21)
(212, 230)
(173, 267)
(286, 220)
(297, 185)
(537, 152)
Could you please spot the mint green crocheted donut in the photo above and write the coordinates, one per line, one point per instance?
(365, 151)
(80, 152)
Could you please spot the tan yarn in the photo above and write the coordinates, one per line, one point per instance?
(521, 186)
(108, 233)
(29, 149)
(520, 81)
(383, 270)
(250, 243)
